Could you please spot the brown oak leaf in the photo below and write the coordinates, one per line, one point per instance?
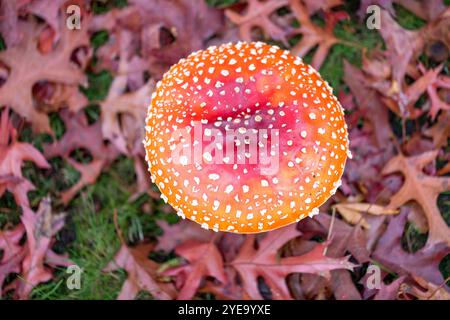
(49, 11)
(422, 188)
(369, 101)
(354, 212)
(440, 132)
(27, 66)
(427, 10)
(9, 13)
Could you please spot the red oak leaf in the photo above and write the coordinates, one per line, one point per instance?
(40, 228)
(204, 260)
(12, 252)
(12, 155)
(314, 35)
(257, 15)
(176, 234)
(265, 262)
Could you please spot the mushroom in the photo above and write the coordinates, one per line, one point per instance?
(245, 137)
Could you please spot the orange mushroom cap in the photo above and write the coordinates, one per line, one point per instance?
(245, 138)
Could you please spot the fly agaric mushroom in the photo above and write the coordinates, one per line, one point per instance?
(276, 107)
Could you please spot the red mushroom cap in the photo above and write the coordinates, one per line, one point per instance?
(250, 95)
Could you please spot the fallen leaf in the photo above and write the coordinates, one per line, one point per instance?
(422, 188)
(119, 104)
(390, 291)
(368, 100)
(40, 228)
(440, 132)
(314, 35)
(204, 259)
(423, 263)
(264, 261)
(353, 212)
(176, 234)
(258, 15)
(12, 156)
(9, 21)
(12, 252)
(27, 66)
(425, 290)
(188, 25)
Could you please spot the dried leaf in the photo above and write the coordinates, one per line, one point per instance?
(353, 212)
(257, 15)
(264, 261)
(390, 291)
(12, 156)
(13, 253)
(40, 228)
(425, 290)
(314, 35)
(119, 104)
(27, 66)
(422, 188)
(204, 260)
(176, 234)
(423, 263)
(440, 132)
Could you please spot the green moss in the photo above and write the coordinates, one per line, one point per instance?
(98, 86)
(354, 38)
(412, 239)
(221, 3)
(444, 267)
(92, 113)
(444, 206)
(2, 43)
(103, 6)
(9, 211)
(99, 39)
(407, 19)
